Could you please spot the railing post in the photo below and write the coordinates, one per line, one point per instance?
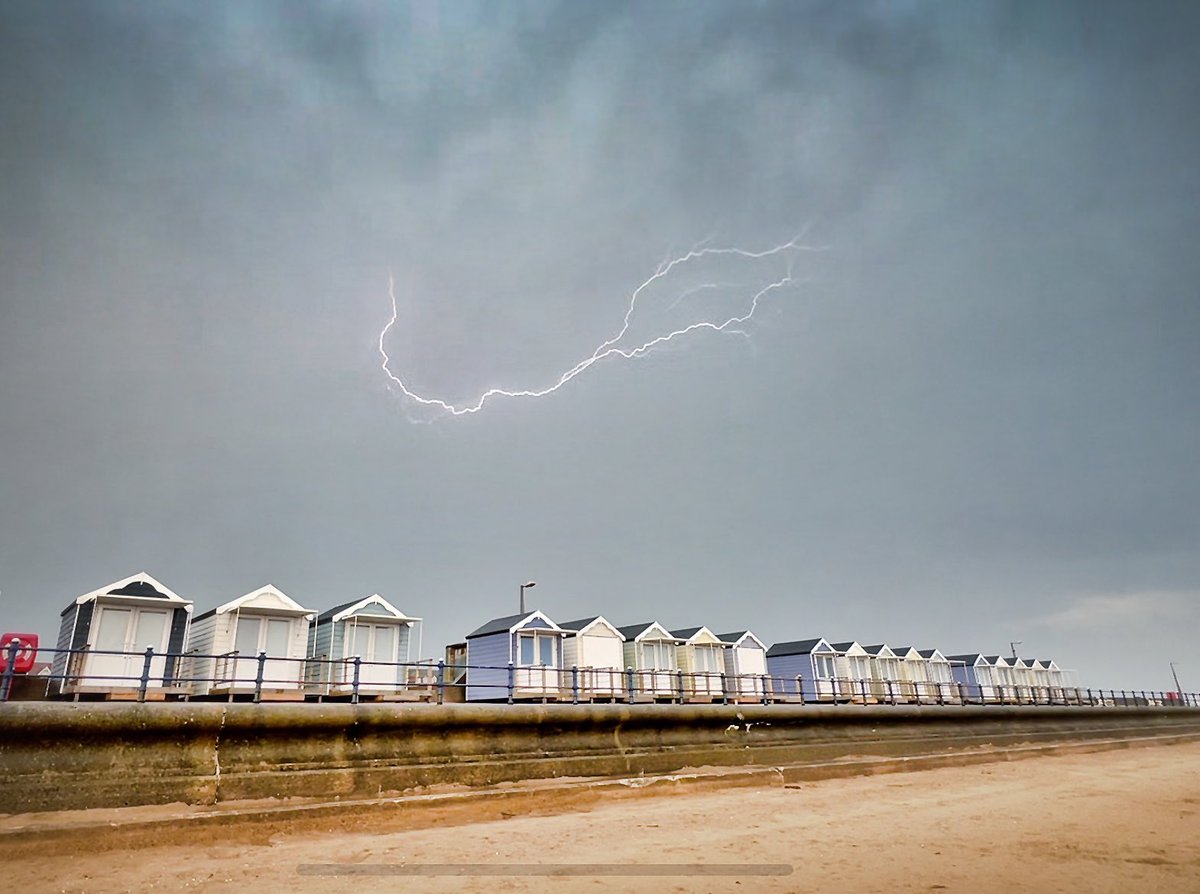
(679, 685)
(144, 682)
(891, 693)
(574, 684)
(724, 690)
(258, 676)
(762, 682)
(862, 686)
(441, 682)
(354, 682)
(511, 682)
(629, 683)
(10, 661)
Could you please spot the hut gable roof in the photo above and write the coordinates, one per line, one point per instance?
(739, 636)
(931, 654)
(511, 623)
(974, 658)
(591, 625)
(136, 586)
(799, 647)
(697, 635)
(374, 605)
(649, 630)
(879, 650)
(848, 648)
(265, 599)
(908, 653)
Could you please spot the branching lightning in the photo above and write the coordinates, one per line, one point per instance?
(610, 347)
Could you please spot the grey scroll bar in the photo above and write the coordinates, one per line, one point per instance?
(545, 870)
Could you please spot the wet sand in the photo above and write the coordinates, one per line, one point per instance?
(1126, 820)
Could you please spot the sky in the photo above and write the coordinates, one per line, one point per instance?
(969, 419)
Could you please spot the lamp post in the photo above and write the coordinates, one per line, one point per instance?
(1013, 646)
(525, 587)
(1175, 674)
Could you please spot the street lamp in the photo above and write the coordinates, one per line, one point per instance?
(1013, 646)
(525, 587)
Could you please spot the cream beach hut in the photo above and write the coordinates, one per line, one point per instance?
(594, 653)
(885, 673)
(109, 631)
(226, 641)
(940, 675)
(914, 676)
(701, 658)
(745, 665)
(651, 653)
(853, 667)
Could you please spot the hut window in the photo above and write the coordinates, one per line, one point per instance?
(708, 659)
(540, 645)
(658, 655)
(373, 642)
(114, 622)
(824, 666)
(245, 640)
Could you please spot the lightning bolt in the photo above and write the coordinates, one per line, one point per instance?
(609, 347)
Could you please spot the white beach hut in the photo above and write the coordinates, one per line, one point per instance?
(108, 632)
(225, 643)
(745, 665)
(594, 652)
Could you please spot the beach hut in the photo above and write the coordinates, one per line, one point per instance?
(529, 645)
(701, 658)
(1002, 675)
(1021, 677)
(976, 675)
(803, 668)
(651, 651)
(915, 685)
(225, 643)
(109, 631)
(596, 649)
(853, 667)
(745, 665)
(371, 630)
(940, 675)
(884, 669)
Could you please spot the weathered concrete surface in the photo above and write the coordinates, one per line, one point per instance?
(56, 756)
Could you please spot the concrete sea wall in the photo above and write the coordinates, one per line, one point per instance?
(58, 755)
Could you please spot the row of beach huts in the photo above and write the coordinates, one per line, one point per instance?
(137, 633)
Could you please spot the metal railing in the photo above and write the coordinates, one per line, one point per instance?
(147, 675)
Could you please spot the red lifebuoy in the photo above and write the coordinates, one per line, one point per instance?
(26, 652)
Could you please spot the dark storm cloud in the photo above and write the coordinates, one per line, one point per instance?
(976, 420)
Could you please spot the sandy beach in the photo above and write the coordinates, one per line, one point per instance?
(1126, 820)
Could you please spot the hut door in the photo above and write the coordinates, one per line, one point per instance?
(130, 631)
(111, 636)
(375, 645)
(270, 635)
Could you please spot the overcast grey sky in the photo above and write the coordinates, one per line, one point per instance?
(974, 421)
